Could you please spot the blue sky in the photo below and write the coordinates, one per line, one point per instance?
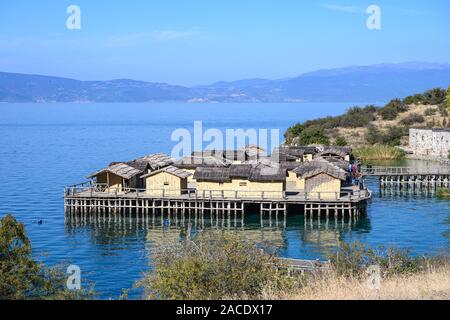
(191, 42)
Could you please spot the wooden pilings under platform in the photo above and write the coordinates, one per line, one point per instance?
(415, 181)
(114, 207)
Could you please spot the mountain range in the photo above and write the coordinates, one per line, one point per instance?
(372, 83)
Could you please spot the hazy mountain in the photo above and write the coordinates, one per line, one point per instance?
(351, 84)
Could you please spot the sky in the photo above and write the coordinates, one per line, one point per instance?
(193, 42)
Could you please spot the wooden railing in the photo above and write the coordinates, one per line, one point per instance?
(385, 171)
(103, 190)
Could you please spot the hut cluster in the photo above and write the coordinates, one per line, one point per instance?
(242, 173)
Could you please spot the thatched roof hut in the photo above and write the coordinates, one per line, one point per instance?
(239, 171)
(292, 153)
(342, 152)
(180, 173)
(318, 166)
(212, 174)
(193, 162)
(120, 169)
(155, 161)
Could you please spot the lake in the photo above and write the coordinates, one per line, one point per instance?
(45, 147)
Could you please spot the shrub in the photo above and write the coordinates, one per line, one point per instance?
(392, 109)
(412, 119)
(443, 110)
(391, 137)
(214, 267)
(353, 260)
(340, 141)
(313, 135)
(435, 96)
(21, 277)
(414, 99)
(430, 111)
(448, 98)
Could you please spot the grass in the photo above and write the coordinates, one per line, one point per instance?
(431, 284)
(379, 152)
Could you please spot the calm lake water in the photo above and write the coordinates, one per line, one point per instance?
(47, 146)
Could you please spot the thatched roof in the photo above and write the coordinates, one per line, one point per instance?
(253, 151)
(334, 150)
(292, 153)
(156, 161)
(242, 171)
(338, 162)
(268, 175)
(208, 153)
(120, 169)
(180, 173)
(212, 174)
(194, 162)
(318, 166)
(239, 171)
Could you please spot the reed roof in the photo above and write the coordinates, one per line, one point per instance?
(156, 161)
(180, 173)
(339, 151)
(193, 162)
(240, 171)
(120, 169)
(317, 166)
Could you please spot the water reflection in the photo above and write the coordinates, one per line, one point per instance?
(282, 235)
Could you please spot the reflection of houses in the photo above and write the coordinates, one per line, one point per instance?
(119, 176)
(321, 176)
(240, 180)
(167, 181)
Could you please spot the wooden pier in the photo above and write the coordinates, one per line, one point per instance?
(405, 177)
(86, 200)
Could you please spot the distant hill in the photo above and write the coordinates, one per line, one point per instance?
(351, 84)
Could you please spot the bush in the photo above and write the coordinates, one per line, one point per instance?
(353, 259)
(412, 119)
(21, 277)
(414, 99)
(313, 135)
(392, 109)
(435, 96)
(214, 267)
(448, 98)
(340, 141)
(430, 111)
(391, 137)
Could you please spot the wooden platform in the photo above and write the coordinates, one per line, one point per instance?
(409, 177)
(86, 199)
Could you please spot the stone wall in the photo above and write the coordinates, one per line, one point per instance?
(434, 143)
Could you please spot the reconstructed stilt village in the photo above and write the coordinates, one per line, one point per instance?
(314, 180)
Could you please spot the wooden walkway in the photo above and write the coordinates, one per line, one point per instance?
(409, 177)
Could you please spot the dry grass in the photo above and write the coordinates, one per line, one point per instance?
(357, 136)
(434, 285)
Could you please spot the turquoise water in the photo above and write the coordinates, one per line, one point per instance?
(47, 146)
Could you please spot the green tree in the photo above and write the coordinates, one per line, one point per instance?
(21, 277)
(313, 135)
